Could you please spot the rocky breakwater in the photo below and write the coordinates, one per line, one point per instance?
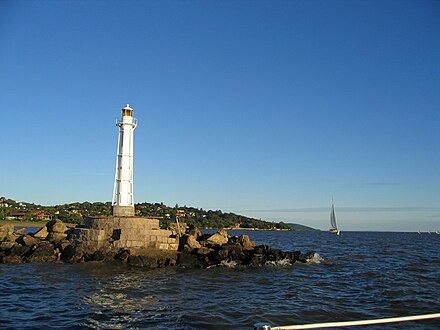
(57, 242)
(51, 243)
(199, 250)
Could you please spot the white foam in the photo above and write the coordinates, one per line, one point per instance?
(316, 259)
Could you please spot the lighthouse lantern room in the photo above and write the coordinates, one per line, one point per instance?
(123, 199)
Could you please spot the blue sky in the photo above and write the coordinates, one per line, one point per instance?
(263, 108)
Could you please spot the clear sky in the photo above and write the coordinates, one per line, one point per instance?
(263, 108)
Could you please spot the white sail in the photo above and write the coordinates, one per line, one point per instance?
(333, 226)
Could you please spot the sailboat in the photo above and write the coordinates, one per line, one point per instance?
(334, 228)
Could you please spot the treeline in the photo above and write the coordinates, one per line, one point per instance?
(205, 219)
(77, 212)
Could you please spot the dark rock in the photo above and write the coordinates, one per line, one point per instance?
(73, 253)
(104, 253)
(189, 261)
(19, 250)
(55, 237)
(122, 255)
(11, 259)
(96, 256)
(63, 244)
(42, 252)
(6, 246)
(143, 261)
(235, 253)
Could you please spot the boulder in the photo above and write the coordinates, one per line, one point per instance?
(122, 255)
(42, 252)
(73, 253)
(218, 238)
(143, 261)
(204, 250)
(56, 237)
(56, 226)
(191, 242)
(20, 231)
(106, 252)
(19, 250)
(195, 232)
(42, 233)
(11, 259)
(189, 261)
(5, 246)
(246, 242)
(13, 238)
(5, 231)
(63, 244)
(28, 240)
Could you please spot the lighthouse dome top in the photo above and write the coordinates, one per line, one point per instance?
(127, 111)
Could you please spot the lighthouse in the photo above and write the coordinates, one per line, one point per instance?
(123, 199)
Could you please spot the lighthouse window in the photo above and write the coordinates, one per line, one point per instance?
(126, 112)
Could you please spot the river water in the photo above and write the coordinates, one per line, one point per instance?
(365, 275)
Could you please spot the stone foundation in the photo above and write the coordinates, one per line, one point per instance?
(128, 232)
(123, 211)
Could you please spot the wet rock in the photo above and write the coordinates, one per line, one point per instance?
(42, 233)
(5, 231)
(143, 261)
(107, 252)
(235, 253)
(61, 245)
(11, 259)
(313, 257)
(96, 256)
(42, 252)
(73, 253)
(189, 261)
(122, 255)
(19, 250)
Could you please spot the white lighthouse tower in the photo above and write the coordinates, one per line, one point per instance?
(123, 200)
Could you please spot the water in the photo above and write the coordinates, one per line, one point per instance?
(367, 275)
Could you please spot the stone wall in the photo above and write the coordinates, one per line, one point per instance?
(129, 232)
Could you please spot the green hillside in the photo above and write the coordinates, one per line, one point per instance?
(77, 212)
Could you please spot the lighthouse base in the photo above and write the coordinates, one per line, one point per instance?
(123, 211)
